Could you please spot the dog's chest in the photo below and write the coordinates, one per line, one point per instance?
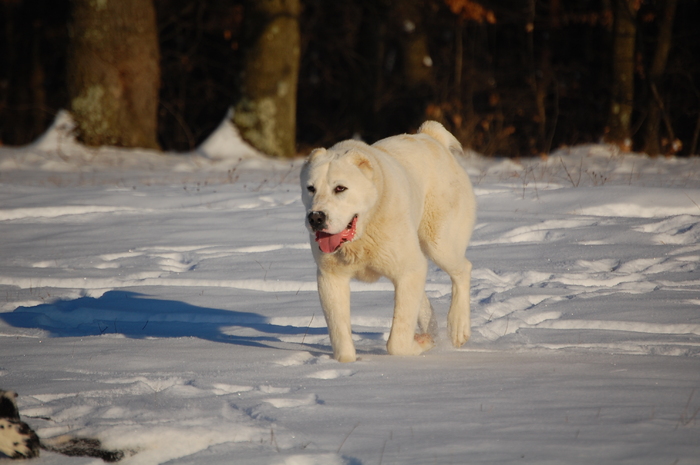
(352, 259)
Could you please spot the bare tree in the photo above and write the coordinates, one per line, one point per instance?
(622, 90)
(656, 72)
(418, 71)
(113, 72)
(266, 112)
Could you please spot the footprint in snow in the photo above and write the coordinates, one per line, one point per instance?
(303, 358)
(678, 230)
(287, 402)
(331, 374)
(221, 389)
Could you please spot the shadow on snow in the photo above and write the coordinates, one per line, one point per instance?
(137, 316)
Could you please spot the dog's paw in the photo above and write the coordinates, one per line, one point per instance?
(425, 340)
(398, 348)
(459, 330)
(345, 355)
(346, 358)
(17, 440)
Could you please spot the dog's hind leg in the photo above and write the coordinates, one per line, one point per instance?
(444, 240)
(459, 317)
(448, 253)
(426, 332)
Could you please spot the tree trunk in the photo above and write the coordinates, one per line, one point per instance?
(38, 77)
(658, 66)
(266, 112)
(622, 98)
(114, 72)
(418, 64)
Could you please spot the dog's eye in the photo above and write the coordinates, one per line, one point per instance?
(311, 189)
(340, 189)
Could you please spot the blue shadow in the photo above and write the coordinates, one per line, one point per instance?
(137, 316)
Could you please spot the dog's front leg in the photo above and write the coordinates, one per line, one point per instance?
(408, 299)
(334, 292)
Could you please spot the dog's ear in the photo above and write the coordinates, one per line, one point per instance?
(364, 163)
(314, 154)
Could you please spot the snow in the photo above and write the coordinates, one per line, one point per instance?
(166, 304)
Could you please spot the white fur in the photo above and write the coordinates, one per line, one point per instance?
(412, 200)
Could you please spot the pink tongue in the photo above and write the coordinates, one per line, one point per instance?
(329, 243)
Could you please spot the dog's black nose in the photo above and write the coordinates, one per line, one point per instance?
(317, 220)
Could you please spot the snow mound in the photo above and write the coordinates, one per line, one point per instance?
(226, 143)
(60, 135)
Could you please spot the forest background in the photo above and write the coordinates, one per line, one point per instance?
(507, 77)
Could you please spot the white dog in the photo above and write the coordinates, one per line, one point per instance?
(378, 210)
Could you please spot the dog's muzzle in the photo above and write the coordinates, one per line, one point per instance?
(317, 221)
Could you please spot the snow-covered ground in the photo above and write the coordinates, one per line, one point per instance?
(167, 305)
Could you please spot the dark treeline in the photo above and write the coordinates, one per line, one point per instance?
(508, 77)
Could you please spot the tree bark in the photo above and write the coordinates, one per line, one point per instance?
(266, 112)
(418, 80)
(114, 72)
(622, 95)
(37, 83)
(418, 64)
(656, 72)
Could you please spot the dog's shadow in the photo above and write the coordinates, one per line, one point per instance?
(139, 316)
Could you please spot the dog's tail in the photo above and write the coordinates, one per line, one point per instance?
(438, 132)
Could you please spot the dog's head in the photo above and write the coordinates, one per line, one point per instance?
(338, 190)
